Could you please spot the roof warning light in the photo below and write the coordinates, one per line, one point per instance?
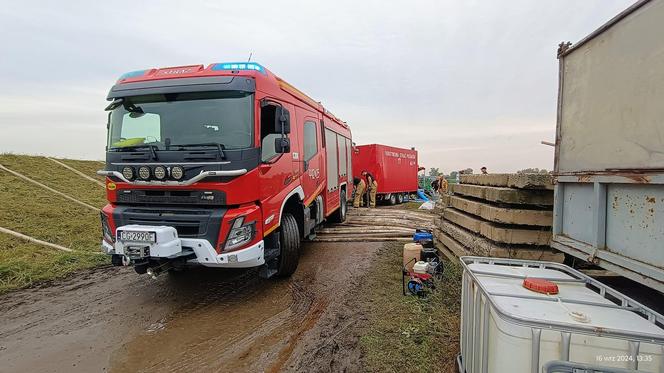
(239, 66)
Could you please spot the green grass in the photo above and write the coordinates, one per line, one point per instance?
(58, 177)
(36, 212)
(23, 264)
(407, 333)
(89, 168)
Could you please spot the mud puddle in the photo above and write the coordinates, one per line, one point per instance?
(200, 320)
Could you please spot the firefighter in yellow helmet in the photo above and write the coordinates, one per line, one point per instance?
(360, 188)
(372, 184)
(443, 184)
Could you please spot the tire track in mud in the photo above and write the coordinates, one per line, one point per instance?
(36, 299)
(199, 314)
(197, 320)
(247, 349)
(311, 318)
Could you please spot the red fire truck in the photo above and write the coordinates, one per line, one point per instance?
(224, 165)
(395, 169)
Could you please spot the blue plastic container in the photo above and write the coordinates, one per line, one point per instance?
(418, 236)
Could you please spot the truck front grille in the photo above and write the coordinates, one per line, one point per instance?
(192, 223)
(171, 197)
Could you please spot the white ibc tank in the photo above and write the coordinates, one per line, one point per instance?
(508, 328)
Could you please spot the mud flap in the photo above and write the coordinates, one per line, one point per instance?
(272, 251)
(309, 224)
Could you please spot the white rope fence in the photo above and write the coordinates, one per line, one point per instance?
(34, 240)
(48, 188)
(79, 173)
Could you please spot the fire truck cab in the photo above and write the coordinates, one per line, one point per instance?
(224, 165)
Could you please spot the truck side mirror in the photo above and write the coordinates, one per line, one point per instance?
(281, 120)
(282, 145)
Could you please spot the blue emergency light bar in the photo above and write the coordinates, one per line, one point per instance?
(231, 66)
(239, 66)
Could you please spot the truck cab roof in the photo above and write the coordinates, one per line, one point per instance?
(213, 74)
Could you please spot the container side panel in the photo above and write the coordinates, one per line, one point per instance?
(395, 169)
(343, 170)
(398, 168)
(613, 88)
(577, 212)
(364, 159)
(635, 222)
(349, 159)
(332, 165)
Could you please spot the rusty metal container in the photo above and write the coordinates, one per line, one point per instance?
(609, 157)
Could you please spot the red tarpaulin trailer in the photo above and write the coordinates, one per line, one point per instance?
(395, 169)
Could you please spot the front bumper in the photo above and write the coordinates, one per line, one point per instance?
(205, 254)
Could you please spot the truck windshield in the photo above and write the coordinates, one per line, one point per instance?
(165, 120)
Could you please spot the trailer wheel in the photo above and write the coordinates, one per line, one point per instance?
(290, 246)
(393, 199)
(339, 216)
(399, 198)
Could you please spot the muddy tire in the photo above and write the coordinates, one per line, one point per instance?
(399, 198)
(289, 237)
(393, 199)
(339, 216)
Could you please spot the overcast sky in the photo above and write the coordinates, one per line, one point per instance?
(468, 83)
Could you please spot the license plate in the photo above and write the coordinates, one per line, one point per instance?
(138, 236)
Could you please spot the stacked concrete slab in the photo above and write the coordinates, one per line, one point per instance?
(499, 215)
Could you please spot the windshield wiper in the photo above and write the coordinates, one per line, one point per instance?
(153, 149)
(220, 147)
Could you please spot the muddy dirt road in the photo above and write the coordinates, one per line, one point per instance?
(200, 320)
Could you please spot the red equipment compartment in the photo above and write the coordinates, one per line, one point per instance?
(395, 169)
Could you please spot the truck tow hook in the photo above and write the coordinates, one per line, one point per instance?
(126, 260)
(156, 271)
(153, 273)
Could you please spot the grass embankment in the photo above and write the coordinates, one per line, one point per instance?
(407, 333)
(29, 209)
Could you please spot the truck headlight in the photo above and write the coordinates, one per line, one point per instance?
(240, 234)
(106, 232)
(144, 172)
(177, 172)
(160, 172)
(128, 173)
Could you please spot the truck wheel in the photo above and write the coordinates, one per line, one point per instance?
(339, 216)
(399, 198)
(393, 199)
(290, 246)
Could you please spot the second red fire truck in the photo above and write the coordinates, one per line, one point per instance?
(394, 168)
(224, 165)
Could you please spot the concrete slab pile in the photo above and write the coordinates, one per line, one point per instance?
(501, 215)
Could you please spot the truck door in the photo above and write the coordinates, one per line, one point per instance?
(312, 175)
(276, 170)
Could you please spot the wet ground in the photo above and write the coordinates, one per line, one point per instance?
(112, 319)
